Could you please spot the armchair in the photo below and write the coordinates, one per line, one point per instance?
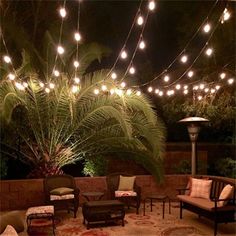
(61, 192)
(130, 196)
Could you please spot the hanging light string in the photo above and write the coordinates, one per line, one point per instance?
(136, 48)
(183, 50)
(127, 38)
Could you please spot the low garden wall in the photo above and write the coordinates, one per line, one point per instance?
(21, 194)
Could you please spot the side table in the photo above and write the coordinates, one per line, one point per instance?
(92, 195)
(161, 198)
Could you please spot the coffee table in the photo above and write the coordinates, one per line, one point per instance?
(92, 195)
(157, 197)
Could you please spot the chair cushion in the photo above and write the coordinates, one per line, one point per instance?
(61, 191)
(13, 218)
(63, 197)
(9, 231)
(126, 183)
(125, 194)
(40, 210)
(201, 188)
(225, 193)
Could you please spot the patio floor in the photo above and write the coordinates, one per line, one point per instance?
(149, 225)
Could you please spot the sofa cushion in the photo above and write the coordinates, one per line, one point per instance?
(126, 183)
(225, 193)
(9, 231)
(62, 197)
(61, 191)
(201, 188)
(13, 218)
(125, 194)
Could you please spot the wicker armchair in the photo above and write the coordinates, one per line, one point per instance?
(131, 200)
(61, 192)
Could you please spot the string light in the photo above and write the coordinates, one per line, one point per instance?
(132, 70)
(185, 91)
(112, 91)
(209, 51)
(119, 92)
(213, 90)
(60, 50)
(206, 90)
(62, 12)
(77, 80)
(151, 5)
(184, 59)
(47, 90)
(230, 81)
(96, 91)
(129, 92)
(51, 86)
(195, 87)
(123, 84)
(74, 89)
(138, 93)
(142, 45)
(140, 20)
(217, 87)
(41, 84)
(201, 86)
(19, 86)
(11, 76)
(56, 73)
(178, 86)
(157, 91)
(222, 75)
(113, 75)
(76, 64)
(160, 93)
(199, 97)
(166, 78)
(25, 84)
(104, 87)
(150, 89)
(124, 54)
(226, 16)
(185, 87)
(207, 28)
(77, 36)
(190, 74)
(7, 59)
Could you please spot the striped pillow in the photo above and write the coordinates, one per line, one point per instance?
(201, 188)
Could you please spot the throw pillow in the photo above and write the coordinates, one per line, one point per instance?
(126, 183)
(225, 193)
(189, 185)
(9, 231)
(201, 188)
(61, 191)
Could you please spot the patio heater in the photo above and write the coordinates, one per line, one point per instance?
(193, 125)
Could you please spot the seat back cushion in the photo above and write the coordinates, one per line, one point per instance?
(201, 188)
(126, 183)
(227, 192)
(9, 231)
(13, 218)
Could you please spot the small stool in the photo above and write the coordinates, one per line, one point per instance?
(157, 197)
(40, 212)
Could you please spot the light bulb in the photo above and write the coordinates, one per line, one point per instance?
(76, 64)
(185, 91)
(151, 5)
(140, 20)
(47, 90)
(142, 45)
(25, 84)
(231, 81)
(19, 86)
(124, 55)
(60, 50)
(56, 73)
(96, 91)
(207, 28)
(226, 15)
(132, 70)
(178, 86)
(217, 87)
(77, 36)
(195, 87)
(184, 58)
(112, 91)
(7, 59)
(199, 97)
(113, 75)
(185, 87)
(157, 91)
(129, 91)
(77, 80)
(150, 89)
(138, 93)
(119, 92)
(51, 86)
(209, 51)
(213, 90)
(160, 93)
(222, 75)
(168, 92)
(123, 84)
(206, 90)
(166, 78)
(74, 89)
(104, 87)
(62, 12)
(11, 76)
(201, 86)
(41, 84)
(190, 74)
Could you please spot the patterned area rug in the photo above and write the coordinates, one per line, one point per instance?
(151, 224)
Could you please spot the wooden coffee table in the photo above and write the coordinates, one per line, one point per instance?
(157, 197)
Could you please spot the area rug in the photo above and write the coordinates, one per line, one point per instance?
(151, 224)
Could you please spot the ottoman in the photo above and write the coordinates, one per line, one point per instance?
(40, 212)
(103, 211)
